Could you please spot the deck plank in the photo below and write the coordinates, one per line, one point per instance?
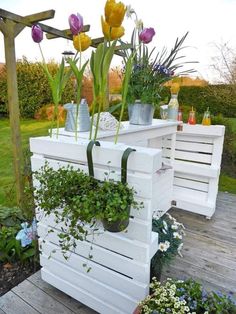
(10, 303)
(69, 302)
(209, 249)
(39, 300)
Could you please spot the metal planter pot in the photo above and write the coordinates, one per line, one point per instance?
(140, 114)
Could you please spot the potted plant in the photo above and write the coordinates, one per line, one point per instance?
(178, 296)
(116, 199)
(150, 72)
(170, 234)
(79, 201)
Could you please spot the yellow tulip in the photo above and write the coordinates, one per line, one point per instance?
(111, 33)
(114, 13)
(81, 41)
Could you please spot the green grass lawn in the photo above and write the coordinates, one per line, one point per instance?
(29, 128)
(32, 128)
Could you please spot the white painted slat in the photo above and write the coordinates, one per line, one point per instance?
(146, 160)
(196, 206)
(190, 146)
(203, 130)
(188, 194)
(100, 290)
(189, 156)
(141, 183)
(115, 242)
(192, 177)
(103, 256)
(195, 147)
(77, 293)
(105, 275)
(191, 184)
(196, 138)
(194, 168)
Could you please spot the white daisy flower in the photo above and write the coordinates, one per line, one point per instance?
(162, 247)
(174, 227)
(176, 235)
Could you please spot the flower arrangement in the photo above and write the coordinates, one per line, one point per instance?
(150, 71)
(101, 59)
(179, 297)
(170, 233)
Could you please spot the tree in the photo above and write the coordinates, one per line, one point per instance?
(224, 64)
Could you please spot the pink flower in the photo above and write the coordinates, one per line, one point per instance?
(76, 23)
(146, 35)
(37, 33)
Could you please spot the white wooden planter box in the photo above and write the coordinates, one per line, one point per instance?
(120, 268)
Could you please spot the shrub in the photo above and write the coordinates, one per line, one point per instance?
(219, 98)
(33, 88)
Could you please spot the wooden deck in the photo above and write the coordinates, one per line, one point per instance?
(209, 256)
(209, 251)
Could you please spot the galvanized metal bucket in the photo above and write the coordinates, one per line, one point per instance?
(140, 114)
(83, 119)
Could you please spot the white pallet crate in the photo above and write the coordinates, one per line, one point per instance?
(197, 163)
(120, 268)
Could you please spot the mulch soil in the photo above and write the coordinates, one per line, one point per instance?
(13, 274)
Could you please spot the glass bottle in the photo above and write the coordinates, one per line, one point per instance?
(206, 118)
(180, 119)
(173, 105)
(192, 117)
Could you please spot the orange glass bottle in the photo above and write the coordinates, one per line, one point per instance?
(192, 117)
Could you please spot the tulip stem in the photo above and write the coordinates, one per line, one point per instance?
(46, 70)
(78, 94)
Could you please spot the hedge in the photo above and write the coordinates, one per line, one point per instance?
(33, 88)
(34, 92)
(221, 99)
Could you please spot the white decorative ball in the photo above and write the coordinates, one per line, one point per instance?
(106, 121)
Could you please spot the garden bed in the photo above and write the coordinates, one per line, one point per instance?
(13, 274)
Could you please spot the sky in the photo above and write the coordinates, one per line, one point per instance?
(209, 23)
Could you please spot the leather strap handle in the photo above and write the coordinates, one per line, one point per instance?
(124, 161)
(90, 157)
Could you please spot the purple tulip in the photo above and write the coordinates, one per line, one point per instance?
(146, 35)
(76, 23)
(37, 33)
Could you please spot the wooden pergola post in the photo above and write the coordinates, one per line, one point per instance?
(13, 105)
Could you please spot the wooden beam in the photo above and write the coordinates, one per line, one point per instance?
(13, 105)
(42, 16)
(67, 32)
(20, 19)
(32, 18)
(2, 27)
